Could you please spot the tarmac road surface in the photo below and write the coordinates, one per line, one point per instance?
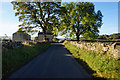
(56, 62)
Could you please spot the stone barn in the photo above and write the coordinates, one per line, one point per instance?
(21, 36)
(49, 36)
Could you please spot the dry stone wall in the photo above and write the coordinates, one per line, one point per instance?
(113, 49)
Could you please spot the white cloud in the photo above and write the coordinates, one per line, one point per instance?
(8, 29)
(5, 0)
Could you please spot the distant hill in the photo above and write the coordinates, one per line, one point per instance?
(112, 36)
(10, 37)
(3, 37)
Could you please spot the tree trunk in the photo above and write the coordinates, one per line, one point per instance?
(44, 35)
(77, 34)
(78, 38)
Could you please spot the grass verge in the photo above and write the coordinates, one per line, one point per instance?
(99, 66)
(12, 59)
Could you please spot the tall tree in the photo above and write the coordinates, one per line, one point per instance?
(80, 19)
(36, 15)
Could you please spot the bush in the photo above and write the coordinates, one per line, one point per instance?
(11, 45)
(5, 40)
(55, 39)
(104, 67)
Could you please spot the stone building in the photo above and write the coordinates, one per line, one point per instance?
(21, 36)
(49, 36)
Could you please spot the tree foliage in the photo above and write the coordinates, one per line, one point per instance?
(36, 15)
(109, 37)
(79, 19)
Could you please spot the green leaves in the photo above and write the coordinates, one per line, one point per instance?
(70, 18)
(37, 14)
(80, 18)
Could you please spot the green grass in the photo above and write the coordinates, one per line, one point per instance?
(12, 59)
(98, 65)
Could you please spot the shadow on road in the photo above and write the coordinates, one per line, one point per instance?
(86, 67)
(56, 62)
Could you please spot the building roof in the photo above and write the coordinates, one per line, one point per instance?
(20, 32)
(46, 33)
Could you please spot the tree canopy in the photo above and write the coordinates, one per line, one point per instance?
(73, 19)
(109, 37)
(79, 18)
(36, 15)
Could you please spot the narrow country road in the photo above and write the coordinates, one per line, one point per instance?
(56, 62)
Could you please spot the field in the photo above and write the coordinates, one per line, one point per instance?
(12, 59)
